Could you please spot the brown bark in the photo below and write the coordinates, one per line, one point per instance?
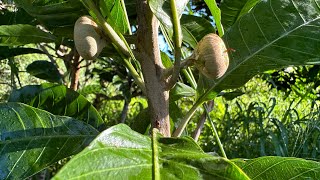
(152, 68)
(75, 71)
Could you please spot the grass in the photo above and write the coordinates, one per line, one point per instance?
(262, 122)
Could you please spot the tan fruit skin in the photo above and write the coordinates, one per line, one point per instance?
(211, 56)
(87, 38)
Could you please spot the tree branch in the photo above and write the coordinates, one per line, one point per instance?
(152, 68)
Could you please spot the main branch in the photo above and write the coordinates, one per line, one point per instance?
(152, 68)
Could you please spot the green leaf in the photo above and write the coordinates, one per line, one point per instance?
(194, 29)
(32, 139)
(115, 15)
(120, 153)
(274, 34)
(21, 34)
(59, 100)
(232, 10)
(58, 13)
(181, 90)
(58, 16)
(280, 168)
(116, 153)
(162, 10)
(166, 61)
(7, 52)
(216, 13)
(44, 70)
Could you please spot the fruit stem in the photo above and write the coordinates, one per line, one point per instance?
(185, 63)
(185, 120)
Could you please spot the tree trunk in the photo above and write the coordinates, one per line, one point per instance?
(152, 68)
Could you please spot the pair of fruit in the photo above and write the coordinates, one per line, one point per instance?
(210, 56)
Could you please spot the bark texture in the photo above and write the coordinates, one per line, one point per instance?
(152, 68)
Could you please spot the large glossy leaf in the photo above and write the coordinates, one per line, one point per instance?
(275, 34)
(232, 10)
(21, 34)
(58, 13)
(7, 52)
(162, 10)
(280, 168)
(59, 100)
(121, 153)
(58, 16)
(32, 139)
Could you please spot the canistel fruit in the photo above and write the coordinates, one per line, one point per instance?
(88, 38)
(211, 56)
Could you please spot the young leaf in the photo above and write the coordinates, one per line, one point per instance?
(32, 139)
(121, 153)
(280, 168)
(59, 100)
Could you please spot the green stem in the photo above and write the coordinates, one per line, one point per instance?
(215, 132)
(190, 78)
(177, 44)
(185, 120)
(156, 167)
(135, 75)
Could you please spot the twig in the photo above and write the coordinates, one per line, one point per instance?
(201, 122)
(124, 111)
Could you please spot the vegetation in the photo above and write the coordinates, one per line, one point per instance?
(97, 98)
